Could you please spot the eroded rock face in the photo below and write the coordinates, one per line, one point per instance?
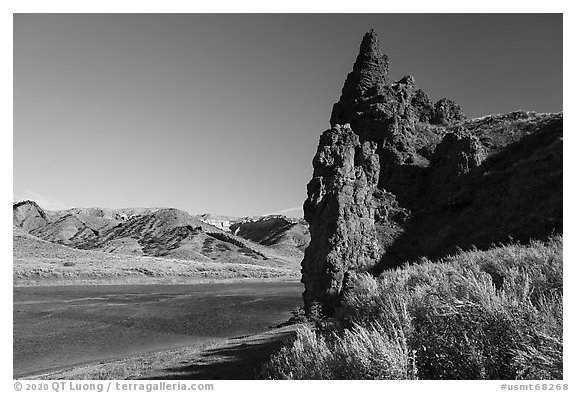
(368, 78)
(352, 215)
(459, 153)
(28, 215)
(447, 111)
(342, 204)
(398, 177)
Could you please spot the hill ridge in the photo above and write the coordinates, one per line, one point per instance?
(153, 232)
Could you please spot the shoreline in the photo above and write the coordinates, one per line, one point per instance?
(227, 358)
(147, 281)
(61, 372)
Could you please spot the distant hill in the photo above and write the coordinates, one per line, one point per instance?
(163, 233)
(275, 231)
(37, 261)
(174, 233)
(221, 222)
(290, 235)
(71, 226)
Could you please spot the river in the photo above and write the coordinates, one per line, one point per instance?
(56, 327)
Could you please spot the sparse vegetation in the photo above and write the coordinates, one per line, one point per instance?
(39, 262)
(494, 314)
(119, 246)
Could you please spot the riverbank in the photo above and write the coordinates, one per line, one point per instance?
(233, 358)
(121, 270)
(139, 280)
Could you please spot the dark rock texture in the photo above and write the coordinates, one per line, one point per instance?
(342, 205)
(398, 177)
(488, 194)
(447, 111)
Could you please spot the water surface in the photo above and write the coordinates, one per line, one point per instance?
(56, 327)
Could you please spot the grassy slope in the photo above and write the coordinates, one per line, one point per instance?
(37, 261)
(494, 314)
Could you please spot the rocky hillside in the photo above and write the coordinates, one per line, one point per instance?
(290, 235)
(29, 216)
(275, 231)
(71, 226)
(398, 177)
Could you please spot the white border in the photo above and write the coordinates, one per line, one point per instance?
(300, 6)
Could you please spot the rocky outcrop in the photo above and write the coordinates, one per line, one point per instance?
(479, 191)
(28, 215)
(341, 209)
(375, 131)
(447, 111)
(397, 177)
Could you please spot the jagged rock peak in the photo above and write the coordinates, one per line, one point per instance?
(370, 71)
(371, 102)
(26, 202)
(398, 177)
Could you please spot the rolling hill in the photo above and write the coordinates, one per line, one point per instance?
(276, 231)
(148, 240)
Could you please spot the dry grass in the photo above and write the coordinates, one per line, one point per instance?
(38, 262)
(359, 353)
(494, 314)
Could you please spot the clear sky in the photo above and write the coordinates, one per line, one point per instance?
(222, 113)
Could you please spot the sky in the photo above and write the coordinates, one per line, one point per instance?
(221, 113)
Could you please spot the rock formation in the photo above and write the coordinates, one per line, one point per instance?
(28, 215)
(398, 177)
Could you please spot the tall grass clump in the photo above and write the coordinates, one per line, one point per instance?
(494, 314)
(358, 353)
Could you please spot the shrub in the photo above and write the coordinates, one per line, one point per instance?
(494, 314)
(309, 357)
(358, 353)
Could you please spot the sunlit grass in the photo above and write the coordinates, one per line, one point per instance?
(494, 314)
